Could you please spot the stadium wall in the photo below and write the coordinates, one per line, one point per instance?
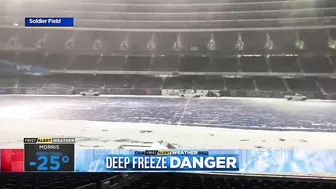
(163, 92)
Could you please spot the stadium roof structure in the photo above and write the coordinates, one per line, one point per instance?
(146, 30)
(177, 15)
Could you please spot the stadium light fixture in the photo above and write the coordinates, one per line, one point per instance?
(269, 44)
(299, 44)
(211, 44)
(70, 43)
(39, 43)
(177, 45)
(332, 44)
(331, 41)
(240, 43)
(124, 45)
(151, 43)
(151, 46)
(12, 41)
(97, 44)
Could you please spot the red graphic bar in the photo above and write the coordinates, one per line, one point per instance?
(12, 160)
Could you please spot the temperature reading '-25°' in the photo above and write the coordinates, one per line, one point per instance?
(56, 157)
(54, 162)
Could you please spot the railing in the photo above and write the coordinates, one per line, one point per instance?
(157, 91)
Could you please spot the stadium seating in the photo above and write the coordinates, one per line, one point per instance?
(56, 61)
(4, 55)
(315, 40)
(137, 63)
(223, 65)
(7, 81)
(194, 64)
(253, 64)
(32, 81)
(61, 81)
(194, 181)
(34, 59)
(270, 84)
(283, 41)
(316, 65)
(284, 64)
(30, 38)
(307, 85)
(117, 81)
(90, 81)
(112, 40)
(111, 63)
(6, 33)
(57, 39)
(329, 85)
(84, 62)
(155, 181)
(239, 84)
(138, 41)
(178, 83)
(208, 83)
(51, 180)
(147, 82)
(195, 41)
(85, 39)
(333, 60)
(165, 41)
(226, 41)
(254, 42)
(164, 63)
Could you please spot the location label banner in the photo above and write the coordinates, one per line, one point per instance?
(49, 154)
(49, 22)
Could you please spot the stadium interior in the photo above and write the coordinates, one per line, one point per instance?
(285, 46)
(155, 181)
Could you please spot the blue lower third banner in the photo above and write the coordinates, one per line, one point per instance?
(240, 160)
(50, 22)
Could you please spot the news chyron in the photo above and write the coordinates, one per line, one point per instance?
(50, 22)
(172, 160)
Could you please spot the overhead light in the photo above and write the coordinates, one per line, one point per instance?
(240, 43)
(332, 44)
(124, 45)
(269, 45)
(16, 24)
(151, 45)
(177, 46)
(299, 44)
(70, 44)
(97, 44)
(211, 45)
